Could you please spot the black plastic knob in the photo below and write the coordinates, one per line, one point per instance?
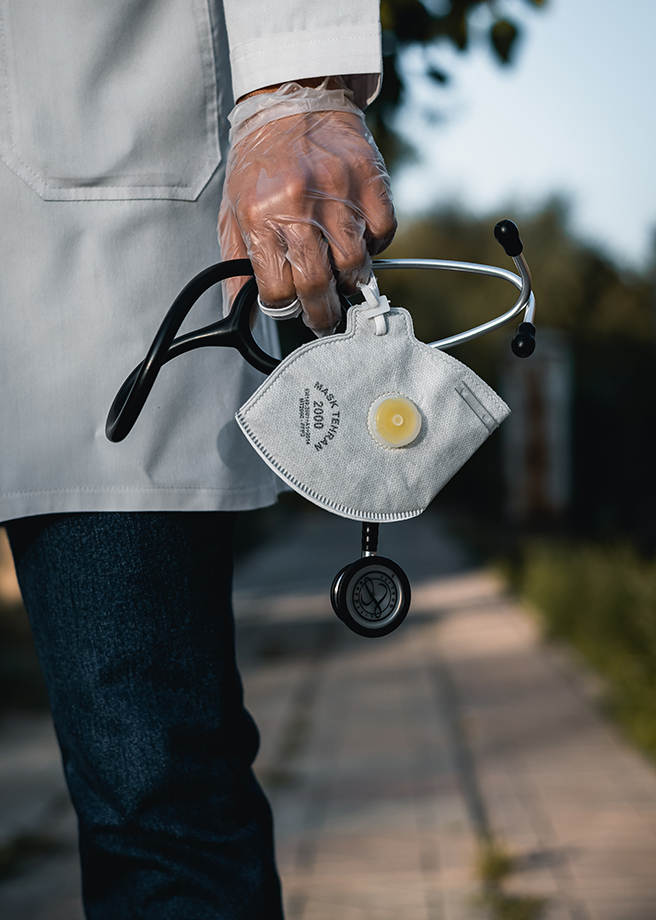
(523, 343)
(507, 234)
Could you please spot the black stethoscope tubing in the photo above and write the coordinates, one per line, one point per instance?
(233, 331)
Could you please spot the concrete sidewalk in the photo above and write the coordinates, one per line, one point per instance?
(388, 761)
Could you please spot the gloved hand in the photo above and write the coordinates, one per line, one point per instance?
(306, 198)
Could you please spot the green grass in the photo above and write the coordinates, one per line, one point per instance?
(494, 864)
(601, 600)
(501, 906)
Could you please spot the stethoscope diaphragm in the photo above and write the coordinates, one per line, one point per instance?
(371, 596)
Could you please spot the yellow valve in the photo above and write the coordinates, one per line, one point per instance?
(394, 420)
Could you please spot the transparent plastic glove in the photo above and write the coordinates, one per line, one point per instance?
(307, 198)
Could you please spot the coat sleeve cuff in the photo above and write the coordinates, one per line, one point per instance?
(271, 59)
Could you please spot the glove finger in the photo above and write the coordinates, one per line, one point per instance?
(374, 201)
(367, 191)
(267, 252)
(344, 230)
(314, 280)
(381, 223)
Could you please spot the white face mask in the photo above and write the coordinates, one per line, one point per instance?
(372, 423)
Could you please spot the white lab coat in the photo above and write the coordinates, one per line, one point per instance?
(112, 137)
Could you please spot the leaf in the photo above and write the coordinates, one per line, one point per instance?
(503, 36)
(438, 76)
(408, 19)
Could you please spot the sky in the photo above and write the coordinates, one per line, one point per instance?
(574, 115)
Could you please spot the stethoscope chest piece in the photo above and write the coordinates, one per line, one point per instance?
(371, 596)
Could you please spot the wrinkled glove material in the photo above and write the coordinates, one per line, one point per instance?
(290, 99)
(306, 198)
(309, 419)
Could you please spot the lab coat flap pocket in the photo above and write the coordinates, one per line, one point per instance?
(131, 114)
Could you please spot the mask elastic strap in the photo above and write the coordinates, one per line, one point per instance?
(378, 305)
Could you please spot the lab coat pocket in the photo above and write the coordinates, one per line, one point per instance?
(109, 100)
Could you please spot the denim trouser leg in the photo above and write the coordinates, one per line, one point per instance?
(133, 625)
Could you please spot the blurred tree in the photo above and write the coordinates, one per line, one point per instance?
(581, 290)
(423, 24)
(607, 315)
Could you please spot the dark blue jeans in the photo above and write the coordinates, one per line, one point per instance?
(132, 620)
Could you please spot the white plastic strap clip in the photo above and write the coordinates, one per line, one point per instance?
(378, 304)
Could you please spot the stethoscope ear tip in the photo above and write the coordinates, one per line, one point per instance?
(523, 343)
(507, 234)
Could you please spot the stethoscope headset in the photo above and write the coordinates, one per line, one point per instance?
(371, 595)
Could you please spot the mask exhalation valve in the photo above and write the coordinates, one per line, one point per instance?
(394, 420)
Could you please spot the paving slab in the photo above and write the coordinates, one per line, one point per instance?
(34, 806)
(396, 757)
(389, 761)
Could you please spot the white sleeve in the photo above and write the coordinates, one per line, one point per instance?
(274, 41)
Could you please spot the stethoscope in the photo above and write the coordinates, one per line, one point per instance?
(371, 595)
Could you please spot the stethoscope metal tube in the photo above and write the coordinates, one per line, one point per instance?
(525, 301)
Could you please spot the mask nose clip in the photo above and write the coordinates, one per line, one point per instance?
(372, 595)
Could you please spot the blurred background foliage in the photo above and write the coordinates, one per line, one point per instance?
(607, 316)
(601, 599)
(413, 25)
(590, 573)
